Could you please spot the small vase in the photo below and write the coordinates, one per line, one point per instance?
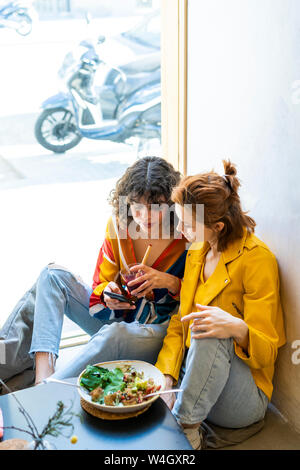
(40, 444)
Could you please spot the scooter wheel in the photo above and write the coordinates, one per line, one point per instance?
(25, 21)
(56, 130)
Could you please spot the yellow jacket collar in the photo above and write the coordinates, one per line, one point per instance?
(221, 279)
(235, 248)
(199, 250)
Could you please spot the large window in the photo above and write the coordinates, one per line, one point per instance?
(80, 101)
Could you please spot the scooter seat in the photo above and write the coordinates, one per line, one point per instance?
(94, 131)
(134, 82)
(148, 63)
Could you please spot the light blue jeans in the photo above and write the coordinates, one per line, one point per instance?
(216, 384)
(219, 386)
(59, 292)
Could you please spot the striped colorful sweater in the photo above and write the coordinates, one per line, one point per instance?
(115, 254)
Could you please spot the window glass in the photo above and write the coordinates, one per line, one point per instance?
(72, 71)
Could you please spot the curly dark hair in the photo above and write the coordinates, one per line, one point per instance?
(150, 177)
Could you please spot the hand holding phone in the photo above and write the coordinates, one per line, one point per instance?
(114, 299)
(119, 297)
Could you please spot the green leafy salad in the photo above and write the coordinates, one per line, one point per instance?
(121, 386)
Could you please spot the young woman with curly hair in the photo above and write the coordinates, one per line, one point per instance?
(145, 191)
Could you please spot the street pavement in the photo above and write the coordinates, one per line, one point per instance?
(54, 208)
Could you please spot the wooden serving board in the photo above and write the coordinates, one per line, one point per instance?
(92, 410)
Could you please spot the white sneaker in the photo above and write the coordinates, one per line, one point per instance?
(194, 436)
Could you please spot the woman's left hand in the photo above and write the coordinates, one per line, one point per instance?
(152, 279)
(212, 322)
(169, 398)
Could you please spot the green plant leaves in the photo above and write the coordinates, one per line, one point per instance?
(109, 380)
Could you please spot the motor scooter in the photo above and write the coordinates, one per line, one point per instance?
(16, 16)
(128, 104)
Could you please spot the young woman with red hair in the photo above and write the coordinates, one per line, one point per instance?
(222, 345)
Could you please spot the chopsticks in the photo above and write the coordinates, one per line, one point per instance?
(160, 392)
(146, 255)
(172, 390)
(49, 380)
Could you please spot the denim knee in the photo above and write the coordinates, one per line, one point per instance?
(206, 344)
(114, 331)
(108, 339)
(56, 273)
(47, 273)
(44, 273)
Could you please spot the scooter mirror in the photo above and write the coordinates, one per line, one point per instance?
(88, 17)
(101, 39)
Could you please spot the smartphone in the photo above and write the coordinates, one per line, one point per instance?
(119, 297)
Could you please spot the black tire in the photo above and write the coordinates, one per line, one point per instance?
(59, 131)
(26, 27)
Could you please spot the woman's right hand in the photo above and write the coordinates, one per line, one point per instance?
(114, 304)
(169, 398)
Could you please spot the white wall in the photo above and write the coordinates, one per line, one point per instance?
(244, 63)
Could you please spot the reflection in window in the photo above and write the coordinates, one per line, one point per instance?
(80, 102)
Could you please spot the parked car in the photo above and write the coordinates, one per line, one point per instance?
(146, 33)
(139, 41)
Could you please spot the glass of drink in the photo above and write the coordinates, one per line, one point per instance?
(130, 276)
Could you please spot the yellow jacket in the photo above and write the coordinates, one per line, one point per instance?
(245, 284)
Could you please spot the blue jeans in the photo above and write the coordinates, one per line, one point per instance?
(217, 384)
(35, 324)
(117, 341)
(59, 293)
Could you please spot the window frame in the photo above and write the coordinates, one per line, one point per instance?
(174, 39)
(174, 66)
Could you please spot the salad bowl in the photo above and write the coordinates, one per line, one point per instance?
(149, 371)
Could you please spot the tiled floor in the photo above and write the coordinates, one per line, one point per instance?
(276, 435)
